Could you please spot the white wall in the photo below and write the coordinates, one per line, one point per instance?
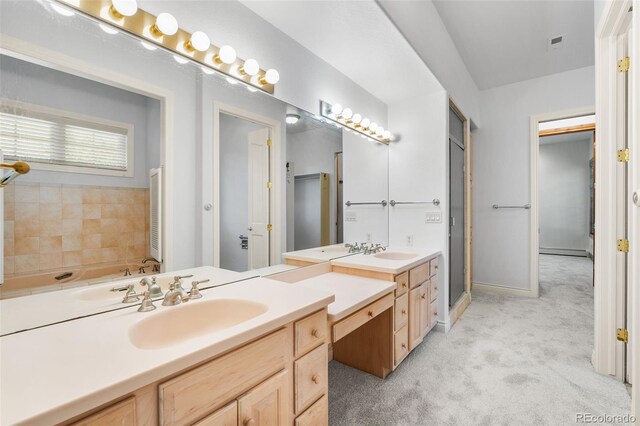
(34, 84)
(418, 171)
(563, 178)
(501, 158)
(366, 179)
(234, 184)
(423, 28)
(313, 151)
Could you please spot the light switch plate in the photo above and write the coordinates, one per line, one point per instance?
(433, 216)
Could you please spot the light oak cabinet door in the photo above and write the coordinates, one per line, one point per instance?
(266, 404)
(121, 414)
(226, 416)
(425, 302)
(401, 312)
(415, 307)
(402, 283)
(310, 332)
(316, 415)
(311, 379)
(400, 345)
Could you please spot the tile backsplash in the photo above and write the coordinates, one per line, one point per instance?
(47, 227)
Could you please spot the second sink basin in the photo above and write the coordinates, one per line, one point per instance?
(193, 319)
(395, 255)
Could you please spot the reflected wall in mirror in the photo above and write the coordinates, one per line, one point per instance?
(82, 213)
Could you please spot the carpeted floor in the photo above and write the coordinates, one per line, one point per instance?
(507, 361)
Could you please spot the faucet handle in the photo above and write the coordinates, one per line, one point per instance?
(195, 292)
(177, 278)
(147, 303)
(131, 296)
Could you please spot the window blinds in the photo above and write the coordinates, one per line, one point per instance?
(45, 137)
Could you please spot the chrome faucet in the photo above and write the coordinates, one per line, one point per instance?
(154, 288)
(353, 248)
(371, 249)
(156, 264)
(147, 303)
(176, 293)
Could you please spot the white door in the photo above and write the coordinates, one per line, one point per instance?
(258, 199)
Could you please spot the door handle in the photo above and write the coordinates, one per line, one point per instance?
(250, 228)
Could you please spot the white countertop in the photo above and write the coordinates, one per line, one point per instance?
(36, 310)
(372, 263)
(318, 254)
(351, 292)
(57, 372)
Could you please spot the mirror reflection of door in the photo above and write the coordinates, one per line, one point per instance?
(244, 213)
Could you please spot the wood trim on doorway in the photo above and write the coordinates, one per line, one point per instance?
(571, 129)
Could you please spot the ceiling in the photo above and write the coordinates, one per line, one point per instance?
(356, 38)
(503, 42)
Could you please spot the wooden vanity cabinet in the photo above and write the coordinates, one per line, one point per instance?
(278, 379)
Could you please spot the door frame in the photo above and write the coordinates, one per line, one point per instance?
(608, 354)
(534, 222)
(275, 164)
(461, 304)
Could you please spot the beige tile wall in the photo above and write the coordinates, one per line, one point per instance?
(47, 227)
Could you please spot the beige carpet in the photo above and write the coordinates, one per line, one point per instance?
(507, 361)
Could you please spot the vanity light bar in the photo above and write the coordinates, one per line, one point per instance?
(355, 122)
(163, 31)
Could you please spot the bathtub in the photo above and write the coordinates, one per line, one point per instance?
(39, 282)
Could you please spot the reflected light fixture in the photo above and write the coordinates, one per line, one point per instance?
(108, 29)
(148, 46)
(232, 80)
(62, 10)
(179, 59)
(123, 8)
(207, 70)
(270, 77)
(354, 122)
(250, 67)
(166, 24)
(292, 118)
(226, 55)
(199, 41)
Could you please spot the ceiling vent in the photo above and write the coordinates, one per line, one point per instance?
(556, 42)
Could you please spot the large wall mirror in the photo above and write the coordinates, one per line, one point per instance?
(249, 178)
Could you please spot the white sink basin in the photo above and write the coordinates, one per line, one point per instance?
(192, 319)
(391, 255)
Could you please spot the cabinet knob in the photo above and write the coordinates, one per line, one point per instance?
(424, 295)
(404, 285)
(370, 313)
(404, 346)
(314, 332)
(404, 311)
(315, 379)
(249, 422)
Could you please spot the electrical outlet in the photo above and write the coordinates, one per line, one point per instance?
(409, 240)
(351, 217)
(433, 217)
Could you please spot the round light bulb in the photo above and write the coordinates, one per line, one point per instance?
(148, 46)
(226, 55)
(365, 123)
(380, 131)
(347, 113)
(166, 24)
(124, 7)
(386, 134)
(106, 28)
(336, 109)
(180, 60)
(373, 127)
(271, 76)
(207, 70)
(232, 80)
(250, 67)
(357, 118)
(62, 10)
(199, 41)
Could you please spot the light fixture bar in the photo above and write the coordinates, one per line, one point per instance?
(144, 25)
(355, 122)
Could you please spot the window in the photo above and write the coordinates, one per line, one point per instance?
(59, 140)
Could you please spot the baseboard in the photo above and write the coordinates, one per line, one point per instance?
(458, 309)
(443, 326)
(498, 289)
(563, 252)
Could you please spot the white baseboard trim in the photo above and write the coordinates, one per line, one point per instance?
(443, 326)
(498, 289)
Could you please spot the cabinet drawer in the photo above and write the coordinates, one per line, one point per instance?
(121, 413)
(419, 274)
(415, 308)
(360, 317)
(402, 283)
(434, 266)
(434, 288)
(310, 332)
(400, 345)
(401, 312)
(433, 313)
(226, 416)
(190, 396)
(316, 415)
(310, 377)
(266, 404)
